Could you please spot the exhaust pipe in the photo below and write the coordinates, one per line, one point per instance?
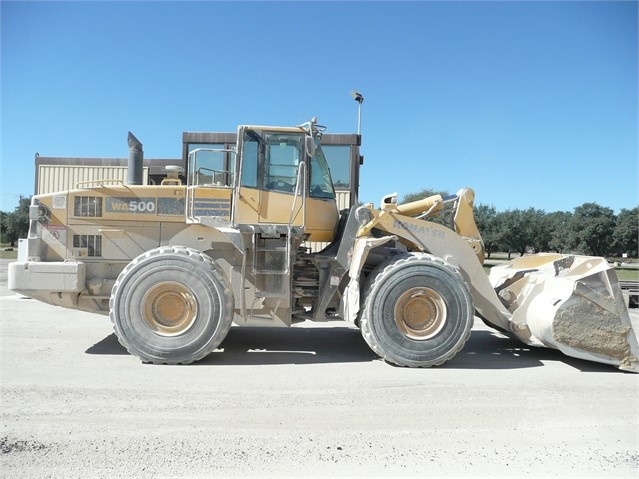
(135, 172)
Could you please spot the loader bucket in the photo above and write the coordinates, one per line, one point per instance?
(570, 303)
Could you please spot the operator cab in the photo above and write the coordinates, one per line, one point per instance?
(283, 183)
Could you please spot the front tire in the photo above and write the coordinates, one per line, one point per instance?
(417, 311)
(171, 305)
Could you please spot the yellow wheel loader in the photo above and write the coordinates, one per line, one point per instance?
(175, 264)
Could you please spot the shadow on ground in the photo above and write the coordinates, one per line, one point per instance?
(492, 350)
(321, 345)
(259, 346)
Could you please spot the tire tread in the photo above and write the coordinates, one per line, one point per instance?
(380, 275)
(225, 322)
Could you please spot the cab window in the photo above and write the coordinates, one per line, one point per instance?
(321, 184)
(282, 159)
(250, 159)
(271, 161)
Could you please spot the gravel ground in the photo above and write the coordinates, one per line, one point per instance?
(310, 401)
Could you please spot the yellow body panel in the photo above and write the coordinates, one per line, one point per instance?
(168, 204)
(212, 201)
(273, 207)
(321, 220)
(129, 203)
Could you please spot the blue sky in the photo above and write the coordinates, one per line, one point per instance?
(532, 104)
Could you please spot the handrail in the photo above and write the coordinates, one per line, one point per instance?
(299, 185)
(193, 169)
(101, 182)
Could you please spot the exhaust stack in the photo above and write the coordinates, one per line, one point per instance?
(135, 172)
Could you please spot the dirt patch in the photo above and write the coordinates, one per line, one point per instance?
(8, 445)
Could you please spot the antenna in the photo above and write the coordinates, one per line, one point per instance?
(359, 98)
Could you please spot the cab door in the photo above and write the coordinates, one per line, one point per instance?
(272, 178)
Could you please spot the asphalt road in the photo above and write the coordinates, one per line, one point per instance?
(312, 400)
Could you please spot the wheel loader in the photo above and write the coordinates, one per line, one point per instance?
(175, 264)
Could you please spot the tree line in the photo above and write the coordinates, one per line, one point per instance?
(590, 229)
(15, 224)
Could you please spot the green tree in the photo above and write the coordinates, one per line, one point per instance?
(626, 232)
(520, 230)
(557, 224)
(591, 229)
(4, 236)
(538, 234)
(16, 224)
(487, 221)
(511, 231)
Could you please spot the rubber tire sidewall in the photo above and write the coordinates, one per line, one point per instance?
(384, 287)
(201, 276)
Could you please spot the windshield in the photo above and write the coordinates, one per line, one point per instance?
(271, 161)
(321, 183)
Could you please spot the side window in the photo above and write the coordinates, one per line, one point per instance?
(250, 161)
(339, 161)
(321, 183)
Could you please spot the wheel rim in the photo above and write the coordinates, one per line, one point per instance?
(420, 313)
(169, 308)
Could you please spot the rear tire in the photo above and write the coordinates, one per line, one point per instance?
(171, 305)
(417, 311)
